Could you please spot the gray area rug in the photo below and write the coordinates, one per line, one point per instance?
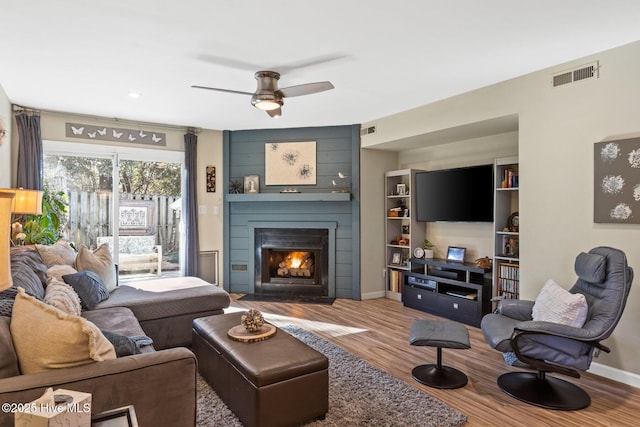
(359, 395)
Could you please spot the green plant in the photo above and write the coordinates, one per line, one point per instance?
(428, 244)
(45, 228)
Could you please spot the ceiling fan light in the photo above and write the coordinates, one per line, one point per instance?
(266, 103)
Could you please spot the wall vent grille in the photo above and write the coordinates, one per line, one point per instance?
(587, 71)
(367, 131)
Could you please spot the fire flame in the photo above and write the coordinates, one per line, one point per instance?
(295, 259)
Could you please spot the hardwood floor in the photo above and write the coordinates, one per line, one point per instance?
(378, 331)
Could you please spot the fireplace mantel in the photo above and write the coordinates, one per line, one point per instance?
(289, 197)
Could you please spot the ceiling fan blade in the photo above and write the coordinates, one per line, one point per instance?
(275, 113)
(222, 90)
(229, 62)
(306, 89)
(310, 62)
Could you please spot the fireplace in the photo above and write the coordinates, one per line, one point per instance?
(291, 261)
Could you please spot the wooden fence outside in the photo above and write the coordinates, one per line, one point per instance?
(89, 217)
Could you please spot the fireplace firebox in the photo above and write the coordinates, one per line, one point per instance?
(291, 261)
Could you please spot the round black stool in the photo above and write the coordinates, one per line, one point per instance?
(440, 334)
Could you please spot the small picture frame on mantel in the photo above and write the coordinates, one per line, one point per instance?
(251, 184)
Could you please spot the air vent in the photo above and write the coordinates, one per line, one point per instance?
(583, 72)
(367, 131)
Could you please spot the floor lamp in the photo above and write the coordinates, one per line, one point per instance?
(6, 200)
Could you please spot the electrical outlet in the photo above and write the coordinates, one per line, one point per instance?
(384, 272)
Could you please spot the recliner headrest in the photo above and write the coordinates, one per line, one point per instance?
(591, 267)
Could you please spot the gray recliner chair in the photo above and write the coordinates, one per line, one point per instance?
(604, 278)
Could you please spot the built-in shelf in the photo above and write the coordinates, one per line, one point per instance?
(399, 193)
(506, 259)
(289, 197)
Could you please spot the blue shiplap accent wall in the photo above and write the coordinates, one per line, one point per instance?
(337, 150)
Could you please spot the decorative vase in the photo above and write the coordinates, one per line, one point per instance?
(428, 253)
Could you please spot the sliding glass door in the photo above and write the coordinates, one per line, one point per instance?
(129, 199)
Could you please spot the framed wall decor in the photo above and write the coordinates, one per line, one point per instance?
(252, 184)
(211, 179)
(616, 187)
(290, 163)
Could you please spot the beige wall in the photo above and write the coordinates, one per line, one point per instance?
(557, 131)
(6, 122)
(210, 218)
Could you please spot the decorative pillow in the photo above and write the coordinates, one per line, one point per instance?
(557, 305)
(23, 276)
(88, 286)
(59, 270)
(62, 296)
(124, 346)
(31, 258)
(46, 338)
(98, 261)
(59, 253)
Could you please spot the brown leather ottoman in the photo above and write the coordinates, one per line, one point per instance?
(277, 382)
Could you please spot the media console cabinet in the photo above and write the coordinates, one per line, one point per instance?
(457, 291)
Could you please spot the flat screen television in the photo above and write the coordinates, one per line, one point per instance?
(457, 195)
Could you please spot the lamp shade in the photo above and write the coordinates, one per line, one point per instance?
(25, 202)
(6, 199)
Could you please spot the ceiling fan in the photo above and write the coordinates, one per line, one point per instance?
(268, 97)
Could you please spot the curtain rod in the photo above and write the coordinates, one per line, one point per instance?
(20, 108)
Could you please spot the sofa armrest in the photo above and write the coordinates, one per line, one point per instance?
(160, 385)
(516, 308)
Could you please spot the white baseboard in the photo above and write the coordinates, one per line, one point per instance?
(373, 295)
(615, 374)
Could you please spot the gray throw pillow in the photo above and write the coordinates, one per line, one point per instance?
(124, 346)
(27, 279)
(31, 259)
(88, 286)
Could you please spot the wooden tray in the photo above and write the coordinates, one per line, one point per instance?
(240, 333)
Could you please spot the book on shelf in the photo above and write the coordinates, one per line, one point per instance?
(509, 280)
(395, 280)
(509, 178)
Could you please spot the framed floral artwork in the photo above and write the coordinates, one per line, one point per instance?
(290, 163)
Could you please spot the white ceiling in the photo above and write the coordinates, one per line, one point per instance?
(383, 57)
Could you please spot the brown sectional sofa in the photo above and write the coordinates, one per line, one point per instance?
(160, 382)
